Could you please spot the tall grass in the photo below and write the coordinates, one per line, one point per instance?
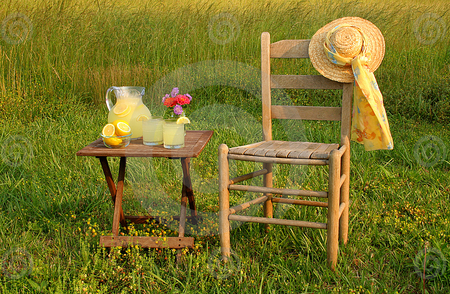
(84, 47)
(54, 205)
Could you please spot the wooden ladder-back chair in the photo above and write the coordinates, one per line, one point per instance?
(268, 152)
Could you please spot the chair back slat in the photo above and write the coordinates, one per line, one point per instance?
(289, 49)
(299, 49)
(306, 112)
(303, 82)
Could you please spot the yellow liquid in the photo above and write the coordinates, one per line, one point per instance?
(153, 131)
(136, 108)
(173, 135)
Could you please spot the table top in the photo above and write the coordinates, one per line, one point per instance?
(194, 142)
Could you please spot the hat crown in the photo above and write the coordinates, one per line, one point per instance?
(344, 39)
(347, 41)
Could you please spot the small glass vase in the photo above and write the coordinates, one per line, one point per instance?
(173, 134)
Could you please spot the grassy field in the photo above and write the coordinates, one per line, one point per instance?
(58, 58)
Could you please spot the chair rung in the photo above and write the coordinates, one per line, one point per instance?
(296, 161)
(247, 204)
(248, 176)
(277, 221)
(341, 208)
(343, 177)
(278, 191)
(300, 202)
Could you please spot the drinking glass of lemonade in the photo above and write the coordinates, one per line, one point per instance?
(153, 131)
(173, 134)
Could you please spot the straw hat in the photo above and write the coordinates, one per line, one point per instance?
(347, 41)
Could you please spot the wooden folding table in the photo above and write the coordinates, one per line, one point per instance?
(195, 141)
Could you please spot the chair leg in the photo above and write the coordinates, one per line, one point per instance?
(268, 205)
(343, 221)
(224, 202)
(333, 210)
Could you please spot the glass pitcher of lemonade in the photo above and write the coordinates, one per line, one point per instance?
(128, 107)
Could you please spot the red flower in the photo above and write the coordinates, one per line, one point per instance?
(170, 102)
(182, 99)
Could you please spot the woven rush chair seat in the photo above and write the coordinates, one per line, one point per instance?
(283, 149)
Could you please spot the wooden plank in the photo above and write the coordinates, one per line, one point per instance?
(258, 189)
(324, 151)
(277, 221)
(290, 49)
(306, 112)
(147, 242)
(303, 82)
(195, 142)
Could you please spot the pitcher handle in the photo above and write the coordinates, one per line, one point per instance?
(109, 103)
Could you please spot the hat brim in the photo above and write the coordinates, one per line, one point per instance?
(374, 43)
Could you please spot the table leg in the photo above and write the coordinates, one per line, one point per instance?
(186, 194)
(187, 186)
(116, 192)
(182, 226)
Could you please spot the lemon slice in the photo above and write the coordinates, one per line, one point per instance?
(142, 117)
(183, 120)
(118, 121)
(122, 109)
(109, 130)
(122, 127)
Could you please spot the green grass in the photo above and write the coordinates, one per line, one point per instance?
(55, 205)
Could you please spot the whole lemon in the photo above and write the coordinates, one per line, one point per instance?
(113, 141)
(122, 127)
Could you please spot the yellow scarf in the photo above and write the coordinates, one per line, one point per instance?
(369, 123)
